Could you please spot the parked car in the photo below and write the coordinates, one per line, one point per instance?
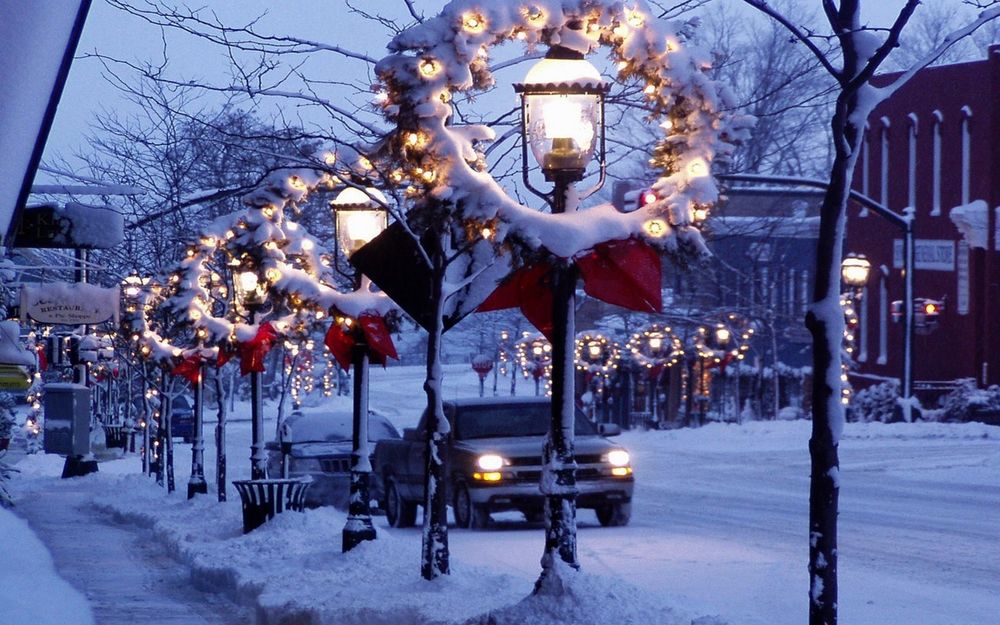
(182, 418)
(319, 445)
(494, 463)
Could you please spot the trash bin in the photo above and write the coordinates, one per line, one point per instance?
(262, 499)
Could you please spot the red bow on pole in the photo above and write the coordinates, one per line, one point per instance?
(189, 368)
(252, 352)
(225, 354)
(43, 361)
(624, 273)
(377, 337)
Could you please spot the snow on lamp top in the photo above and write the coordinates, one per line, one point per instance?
(360, 216)
(563, 110)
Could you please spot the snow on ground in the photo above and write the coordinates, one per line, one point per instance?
(718, 532)
(31, 592)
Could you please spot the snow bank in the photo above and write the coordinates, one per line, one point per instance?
(30, 589)
(291, 570)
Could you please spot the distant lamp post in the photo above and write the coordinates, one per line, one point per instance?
(359, 216)
(722, 336)
(854, 271)
(655, 343)
(562, 120)
(250, 296)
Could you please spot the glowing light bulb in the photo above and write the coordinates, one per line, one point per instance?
(428, 68)
(655, 227)
(697, 168)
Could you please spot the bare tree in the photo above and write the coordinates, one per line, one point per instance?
(860, 51)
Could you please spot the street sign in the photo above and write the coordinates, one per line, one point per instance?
(63, 303)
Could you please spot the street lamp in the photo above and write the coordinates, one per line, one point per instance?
(854, 270)
(359, 216)
(562, 117)
(250, 293)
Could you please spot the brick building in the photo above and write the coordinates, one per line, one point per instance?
(934, 147)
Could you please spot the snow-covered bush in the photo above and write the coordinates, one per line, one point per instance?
(967, 401)
(875, 403)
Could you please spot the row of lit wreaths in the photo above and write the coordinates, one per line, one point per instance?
(653, 349)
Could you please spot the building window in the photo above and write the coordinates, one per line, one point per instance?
(911, 161)
(936, 164)
(804, 290)
(884, 162)
(966, 152)
(790, 293)
(883, 317)
(863, 326)
(865, 167)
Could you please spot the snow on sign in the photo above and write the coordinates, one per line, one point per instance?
(61, 303)
(930, 254)
(37, 42)
(71, 225)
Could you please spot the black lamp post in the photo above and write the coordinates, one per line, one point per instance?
(197, 483)
(562, 117)
(359, 216)
(250, 291)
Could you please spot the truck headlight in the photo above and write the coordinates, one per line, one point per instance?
(490, 462)
(618, 457)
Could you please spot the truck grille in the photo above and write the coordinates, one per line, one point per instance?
(582, 475)
(336, 465)
(537, 460)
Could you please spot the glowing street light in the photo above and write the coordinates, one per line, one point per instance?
(359, 216)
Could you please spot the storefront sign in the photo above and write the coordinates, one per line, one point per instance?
(930, 254)
(61, 303)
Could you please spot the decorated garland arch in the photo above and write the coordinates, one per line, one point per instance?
(293, 276)
(441, 164)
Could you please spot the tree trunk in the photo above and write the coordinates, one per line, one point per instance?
(220, 437)
(434, 560)
(825, 321)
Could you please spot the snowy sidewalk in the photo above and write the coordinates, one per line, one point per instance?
(126, 576)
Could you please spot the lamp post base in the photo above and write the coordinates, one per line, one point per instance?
(75, 466)
(357, 530)
(359, 527)
(197, 487)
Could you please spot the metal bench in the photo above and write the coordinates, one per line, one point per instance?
(262, 499)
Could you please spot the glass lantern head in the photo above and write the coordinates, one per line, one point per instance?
(722, 335)
(655, 342)
(594, 350)
(359, 217)
(562, 112)
(854, 271)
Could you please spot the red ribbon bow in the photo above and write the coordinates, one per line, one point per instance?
(376, 334)
(624, 273)
(252, 352)
(189, 369)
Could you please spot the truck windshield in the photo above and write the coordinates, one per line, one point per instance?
(510, 420)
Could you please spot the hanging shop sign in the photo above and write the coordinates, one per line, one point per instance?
(62, 303)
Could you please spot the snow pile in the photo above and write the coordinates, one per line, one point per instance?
(30, 589)
(921, 431)
(586, 599)
(292, 568)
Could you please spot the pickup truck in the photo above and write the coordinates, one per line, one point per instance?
(493, 463)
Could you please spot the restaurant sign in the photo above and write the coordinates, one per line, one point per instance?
(73, 304)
